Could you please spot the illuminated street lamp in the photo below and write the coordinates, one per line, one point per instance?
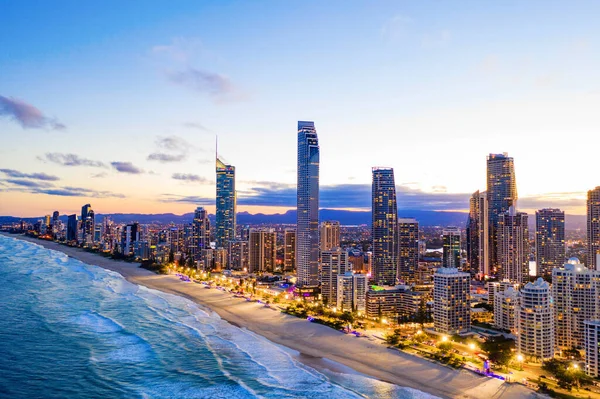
(444, 338)
(472, 346)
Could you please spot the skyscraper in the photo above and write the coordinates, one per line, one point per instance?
(592, 347)
(289, 250)
(549, 240)
(226, 204)
(535, 321)
(72, 228)
(200, 235)
(87, 224)
(262, 249)
(329, 235)
(576, 294)
(506, 305)
(451, 247)
(333, 263)
(478, 235)
(501, 195)
(451, 298)
(238, 255)
(408, 249)
(513, 246)
(307, 227)
(384, 226)
(351, 293)
(593, 228)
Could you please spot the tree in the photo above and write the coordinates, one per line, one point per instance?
(171, 256)
(445, 347)
(190, 261)
(393, 339)
(347, 317)
(499, 350)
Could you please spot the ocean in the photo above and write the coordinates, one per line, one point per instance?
(72, 330)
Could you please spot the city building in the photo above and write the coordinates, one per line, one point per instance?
(351, 292)
(72, 228)
(333, 262)
(307, 226)
(238, 255)
(512, 232)
(220, 259)
(501, 195)
(451, 247)
(200, 235)
(535, 321)
(451, 308)
(329, 235)
(408, 249)
(506, 305)
(593, 228)
(129, 235)
(225, 204)
(87, 224)
(396, 303)
(592, 347)
(262, 249)
(549, 240)
(496, 287)
(478, 235)
(289, 250)
(576, 294)
(384, 226)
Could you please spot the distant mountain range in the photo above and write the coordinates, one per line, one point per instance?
(425, 218)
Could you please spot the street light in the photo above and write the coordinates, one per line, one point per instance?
(444, 338)
(472, 346)
(520, 358)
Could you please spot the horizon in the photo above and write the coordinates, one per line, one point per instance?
(441, 87)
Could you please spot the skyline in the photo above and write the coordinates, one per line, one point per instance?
(136, 101)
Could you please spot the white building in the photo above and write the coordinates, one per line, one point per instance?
(513, 246)
(352, 292)
(535, 321)
(576, 293)
(451, 309)
(592, 347)
(499, 286)
(329, 235)
(333, 263)
(506, 305)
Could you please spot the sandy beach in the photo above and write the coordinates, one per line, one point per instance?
(315, 343)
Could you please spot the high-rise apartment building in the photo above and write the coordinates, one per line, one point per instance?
(501, 195)
(384, 226)
(352, 292)
(200, 235)
(262, 250)
(496, 287)
(72, 228)
(506, 306)
(451, 301)
(478, 235)
(333, 263)
(408, 249)
(535, 321)
(329, 235)
(593, 228)
(549, 240)
(512, 233)
(87, 224)
(225, 204)
(289, 250)
(307, 227)
(451, 247)
(238, 255)
(576, 294)
(592, 347)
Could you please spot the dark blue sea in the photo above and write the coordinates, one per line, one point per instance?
(72, 330)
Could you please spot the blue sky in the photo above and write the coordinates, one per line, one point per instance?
(121, 101)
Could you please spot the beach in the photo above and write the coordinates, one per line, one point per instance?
(318, 346)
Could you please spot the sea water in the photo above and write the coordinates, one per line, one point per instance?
(72, 330)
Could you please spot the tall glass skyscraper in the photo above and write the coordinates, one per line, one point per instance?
(549, 240)
(501, 194)
(384, 226)
(593, 228)
(408, 249)
(226, 204)
(307, 236)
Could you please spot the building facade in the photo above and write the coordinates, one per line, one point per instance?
(238, 255)
(451, 248)
(451, 296)
(513, 247)
(225, 204)
(549, 240)
(478, 235)
(307, 227)
(352, 292)
(262, 250)
(506, 305)
(535, 321)
(384, 226)
(200, 235)
(592, 347)
(593, 228)
(333, 263)
(408, 249)
(329, 235)
(289, 250)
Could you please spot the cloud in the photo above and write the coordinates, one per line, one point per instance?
(189, 199)
(172, 143)
(28, 183)
(164, 158)
(126, 167)
(190, 178)
(70, 160)
(216, 85)
(33, 187)
(28, 116)
(99, 175)
(180, 49)
(193, 125)
(36, 176)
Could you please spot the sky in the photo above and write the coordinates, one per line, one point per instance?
(118, 104)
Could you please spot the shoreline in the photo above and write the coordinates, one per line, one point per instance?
(318, 346)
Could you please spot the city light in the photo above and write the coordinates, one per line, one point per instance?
(520, 358)
(472, 346)
(444, 338)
